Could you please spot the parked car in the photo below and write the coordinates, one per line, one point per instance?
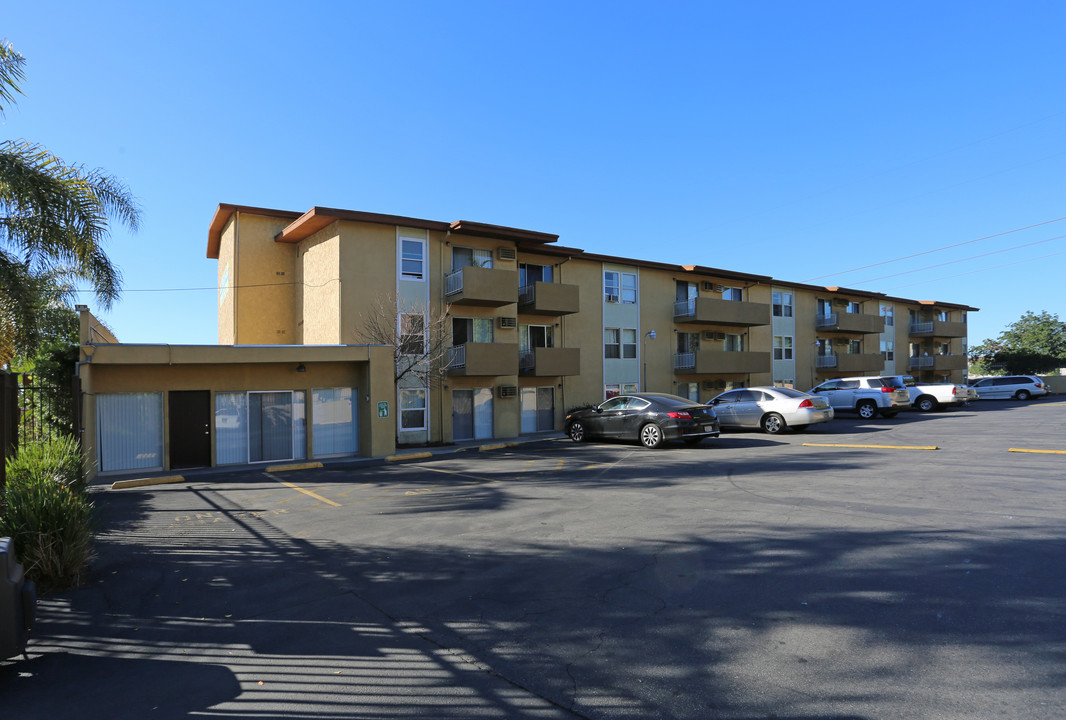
(865, 395)
(771, 408)
(651, 418)
(1020, 387)
(932, 396)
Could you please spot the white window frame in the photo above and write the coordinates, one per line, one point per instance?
(404, 257)
(629, 343)
(405, 332)
(733, 294)
(735, 339)
(783, 347)
(888, 350)
(424, 408)
(617, 338)
(889, 314)
(629, 288)
(612, 286)
(781, 308)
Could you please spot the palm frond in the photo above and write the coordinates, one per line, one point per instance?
(11, 62)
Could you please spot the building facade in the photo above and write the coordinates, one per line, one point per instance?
(534, 329)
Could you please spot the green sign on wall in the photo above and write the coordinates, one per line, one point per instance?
(383, 409)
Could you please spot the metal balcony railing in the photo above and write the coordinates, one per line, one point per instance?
(527, 359)
(685, 361)
(826, 320)
(826, 361)
(453, 282)
(457, 356)
(685, 308)
(922, 327)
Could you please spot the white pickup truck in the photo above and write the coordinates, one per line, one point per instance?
(931, 396)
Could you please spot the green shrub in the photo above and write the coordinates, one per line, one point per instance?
(56, 460)
(48, 515)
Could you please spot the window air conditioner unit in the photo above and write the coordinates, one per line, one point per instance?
(612, 298)
(719, 288)
(708, 286)
(719, 336)
(508, 322)
(507, 391)
(708, 335)
(505, 253)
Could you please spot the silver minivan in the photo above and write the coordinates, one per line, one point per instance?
(1019, 387)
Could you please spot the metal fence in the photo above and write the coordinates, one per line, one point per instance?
(31, 411)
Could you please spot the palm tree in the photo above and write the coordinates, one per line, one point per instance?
(54, 218)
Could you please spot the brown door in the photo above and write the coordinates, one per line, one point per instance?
(190, 428)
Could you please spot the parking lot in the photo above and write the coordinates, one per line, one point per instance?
(904, 568)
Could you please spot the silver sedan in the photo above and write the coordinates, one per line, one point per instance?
(771, 408)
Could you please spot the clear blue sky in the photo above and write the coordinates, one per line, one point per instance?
(794, 139)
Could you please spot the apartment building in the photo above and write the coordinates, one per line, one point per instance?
(536, 328)
(526, 329)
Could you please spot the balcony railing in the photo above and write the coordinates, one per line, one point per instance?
(547, 298)
(850, 323)
(457, 357)
(685, 361)
(527, 360)
(721, 362)
(826, 361)
(487, 287)
(938, 328)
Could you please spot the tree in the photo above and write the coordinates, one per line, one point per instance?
(54, 218)
(421, 342)
(1033, 344)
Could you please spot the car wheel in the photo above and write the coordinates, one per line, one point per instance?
(1022, 394)
(889, 413)
(651, 436)
(577, 432)
(867, 409)
(773, 424)
(926, 403)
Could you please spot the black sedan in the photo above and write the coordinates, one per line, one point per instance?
(651, 418)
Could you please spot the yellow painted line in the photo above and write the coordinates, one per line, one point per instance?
(881, 447)
(294, 466)
(140, 482)
(496, 446)
(408, 456)
(309, 493)
(1046, 452)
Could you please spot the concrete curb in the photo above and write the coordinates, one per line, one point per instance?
(141, 482)
(881, 447)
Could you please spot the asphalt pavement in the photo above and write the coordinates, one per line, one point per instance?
(840, 573)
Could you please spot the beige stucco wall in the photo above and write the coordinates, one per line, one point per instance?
(318, 295)
(584, 330)
(227, 278)
(264, 275)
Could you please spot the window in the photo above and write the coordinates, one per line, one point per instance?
(629, 288)
(260, 426)
(611, 286)
(888, 350)
(785, 383)
(734, 343)
(629, 343)
(475, 330)
(945, 349)
(612, 343)
(854, 307)
(412, 259)
(611, 391)
(825, 347)
(529, 274)
(889, 314)
(413, 409)
(535, 336)
(688, 342)
(333, 422)
(129, 430)
(854, 347)
(470, 257)
(942, 315)
(629, 387)
(412, 334)
(782, 347)
(732, 293)
(689, 390)
(782, 302)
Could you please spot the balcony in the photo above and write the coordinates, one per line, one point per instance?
(938, 328)
(545, 298)
(721, 362)
(483, 359)
(850, 363)
(712, 311)
(938, 362)
(486, 287)
(550, 362)
(851, 323)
